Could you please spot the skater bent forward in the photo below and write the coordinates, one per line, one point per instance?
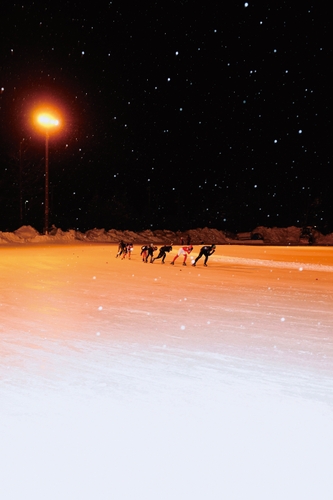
(148, 251)
(183, 251)
(162, 252)
(121, 248)
(127, 251)
(206, 251)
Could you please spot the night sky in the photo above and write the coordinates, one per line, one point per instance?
(175, 115)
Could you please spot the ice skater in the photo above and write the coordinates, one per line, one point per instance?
(183, 251)
(148, 251)
(206, 251)
(121, 247)
(127, 251)
(144, 253)
(162, 253)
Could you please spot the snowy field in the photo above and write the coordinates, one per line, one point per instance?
(125, 380)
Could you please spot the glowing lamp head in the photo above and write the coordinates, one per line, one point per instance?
(47, 120)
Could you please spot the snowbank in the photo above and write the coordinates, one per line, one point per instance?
(261, 235)
(292, 236)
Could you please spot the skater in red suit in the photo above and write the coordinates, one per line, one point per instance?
(183, 251)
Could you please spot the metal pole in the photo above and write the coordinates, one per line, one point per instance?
(20, 184)
(46, 183)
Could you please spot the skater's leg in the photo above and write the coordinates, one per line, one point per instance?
(198, 258)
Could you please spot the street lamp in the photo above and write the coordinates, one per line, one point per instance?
(47, 121)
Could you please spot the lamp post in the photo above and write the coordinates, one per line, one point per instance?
(47, 121)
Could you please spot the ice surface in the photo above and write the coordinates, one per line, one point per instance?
(127, 380)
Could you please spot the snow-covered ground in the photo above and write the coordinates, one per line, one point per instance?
(125, 380)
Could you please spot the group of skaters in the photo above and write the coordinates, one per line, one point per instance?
(124, 250)
(147, 252)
